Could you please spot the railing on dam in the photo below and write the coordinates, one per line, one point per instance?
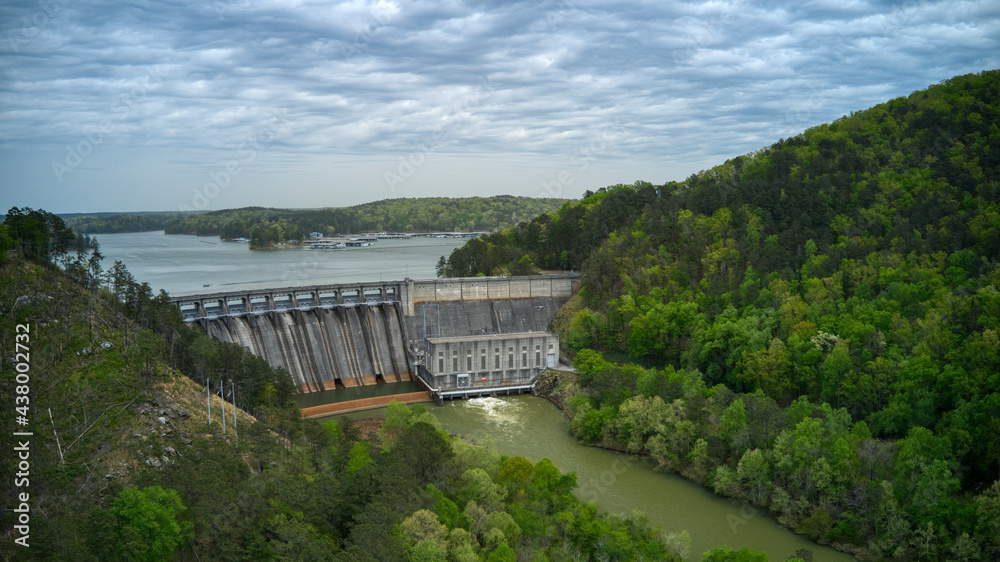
(407, 292)
(209, 306)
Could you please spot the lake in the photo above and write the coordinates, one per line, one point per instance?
(179, 263)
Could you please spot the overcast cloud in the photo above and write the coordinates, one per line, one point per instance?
(117, 106)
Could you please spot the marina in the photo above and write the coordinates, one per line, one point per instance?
(317, 241)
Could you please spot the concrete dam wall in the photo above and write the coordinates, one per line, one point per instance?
(324, 348)
(476, 317)
(355, 334)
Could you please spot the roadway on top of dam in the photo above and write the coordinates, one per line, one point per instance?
(287, 289)
(239, 291)
(406, 292)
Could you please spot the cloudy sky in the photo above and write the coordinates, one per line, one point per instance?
(141, 105)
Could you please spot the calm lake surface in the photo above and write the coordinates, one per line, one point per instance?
(179, 263)
(517, 425)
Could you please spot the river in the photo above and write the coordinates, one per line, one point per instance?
(519, 425)
(535, 428)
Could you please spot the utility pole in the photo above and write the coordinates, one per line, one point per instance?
(222, 390)
(208, 399)
(233, 388)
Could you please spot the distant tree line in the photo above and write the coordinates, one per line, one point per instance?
(430, 214)
(108, 223)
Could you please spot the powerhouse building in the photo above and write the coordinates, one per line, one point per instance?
(488, 360)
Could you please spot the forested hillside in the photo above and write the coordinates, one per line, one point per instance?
(812, 327)
(103, 223)
(429, 214)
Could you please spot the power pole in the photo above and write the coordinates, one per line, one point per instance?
(233, 388)
(222, 389)
(208, 399)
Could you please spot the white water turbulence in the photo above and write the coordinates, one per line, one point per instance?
(506, 415)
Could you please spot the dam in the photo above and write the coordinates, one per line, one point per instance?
(357, 334)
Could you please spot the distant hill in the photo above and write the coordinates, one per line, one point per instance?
(105, 223)
(849, 274)
(429, 214)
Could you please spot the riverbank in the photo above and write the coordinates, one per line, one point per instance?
(561, 388)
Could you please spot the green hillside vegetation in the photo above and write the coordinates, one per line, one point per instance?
(106, 223)
(126, 465)
(263, 226)
(812, 327)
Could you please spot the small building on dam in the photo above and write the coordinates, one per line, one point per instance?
(487, 363)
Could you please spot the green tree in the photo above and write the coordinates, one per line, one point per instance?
(358, 457)
(480, 488)
(925, 472)
(988, 520)
(149, 523)
(423, 526)
(754, 475)
(733, 427)
(516, 473)
(768, 369)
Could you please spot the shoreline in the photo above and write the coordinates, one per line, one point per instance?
(550, 381)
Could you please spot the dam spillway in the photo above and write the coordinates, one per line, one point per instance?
(324, 348)
(354, 335)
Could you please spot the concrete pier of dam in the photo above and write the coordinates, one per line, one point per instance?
(356, 334)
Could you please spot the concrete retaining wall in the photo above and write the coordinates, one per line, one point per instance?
(365, 404)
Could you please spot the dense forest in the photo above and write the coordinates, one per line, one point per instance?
(106, 223)
(812, 327)
(263, 226)
(126, 463)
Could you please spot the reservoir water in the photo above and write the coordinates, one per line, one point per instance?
(179, 263)
(518, 425)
